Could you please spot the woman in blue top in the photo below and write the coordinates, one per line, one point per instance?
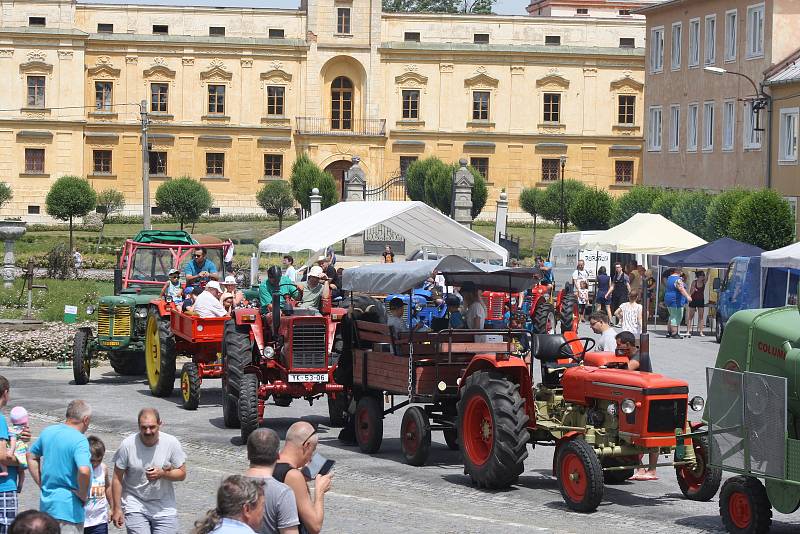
(675, 298)
(603, 284)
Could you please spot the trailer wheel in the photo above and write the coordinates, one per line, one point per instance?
(160, 355)
(451, 439)
(568, 312)
(492, 429)
(369, 424)
(81, 356)
(544, 317)
(190, 386)
(744, 506)
(580, 476)
(702, 482)
(248, 405)
(619, 476)
(415, 436)
(337, 406)
(237, 351)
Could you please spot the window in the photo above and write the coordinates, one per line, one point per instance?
(159, 93)
(694, 43)
(481, 165)
(626, 109)
(160, 29)
(711, 40)
(751, 129)
(676, 45)
(342, 104)
(708, 126)
(216, 99)
(624, 12)
(275, 98)
(105, 28)
(550, 169)
(583, 11)
(343, 20)
(480, 105)
(691, 127)
(36, 91)
(412, 37)
(37, 21)
(101, 161)
(730, 35)
(158, 163)
(623, 172)
(276, 33)
(155, 210)
(102, 96)
(728, 124)
(405, 162)
(215, 164)
(552, 107)
(273, 165)
(410, 104)
(674, 127)
(554, 40)
(657, 49)
(627, 42)
(34, 160)
(654, 130)
(480, 38)
(216, 31)
(787, 143)
(755, 31)
(214, 211)
(33, 210)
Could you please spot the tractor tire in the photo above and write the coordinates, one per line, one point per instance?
(127, 363)
(369, 424)
(160, 355)
(337, 408)
(248, 406)
(492, 430)
(617, 477)
(415, 436)
(451, 439)
(190, 386)
(579, 475)
(701, 483)
(568, 312)
(237, 351)
(744, 506)
(81, 357)
(719, 329)
(544, 317)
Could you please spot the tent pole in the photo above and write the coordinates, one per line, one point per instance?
(658, 291)
(788, 279)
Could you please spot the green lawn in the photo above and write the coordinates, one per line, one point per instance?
(49, 305)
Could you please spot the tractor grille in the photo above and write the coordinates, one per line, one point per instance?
(103, 321)
(122, 321)
(666, 415)
(308, 346)
(494, 307)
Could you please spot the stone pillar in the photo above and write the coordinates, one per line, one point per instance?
(10, 231)
(355, 182)
(462, 194)
(501, 217)
(316, 201)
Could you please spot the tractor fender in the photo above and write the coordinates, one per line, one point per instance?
(516, 368)
(696, 425)
(251, 317)
(162, 307)
(569, 436)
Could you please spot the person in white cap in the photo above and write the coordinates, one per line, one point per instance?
(315, 288)
(330, 271)
(172, 288)
(229, 286)
(208, 304)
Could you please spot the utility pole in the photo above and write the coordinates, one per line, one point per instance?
(145, 168)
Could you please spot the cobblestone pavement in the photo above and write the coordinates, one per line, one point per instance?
(380, 493)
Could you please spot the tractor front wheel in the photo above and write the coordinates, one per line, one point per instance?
(190, 386)
(82, 356)
(744, 506)
(492, 429)
(701, 482)
(415, 436)
(580, 476)
(568, 312)
(237, 351)
(544, 317)
(369, 424)
(248, 405)
(160, 355)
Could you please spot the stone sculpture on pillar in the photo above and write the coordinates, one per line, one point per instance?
(355, 181)
(10, 231)
(463, 181)
(316, 201)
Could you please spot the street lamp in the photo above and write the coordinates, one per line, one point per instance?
(563, 225)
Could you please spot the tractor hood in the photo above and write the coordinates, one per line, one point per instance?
(582, 383)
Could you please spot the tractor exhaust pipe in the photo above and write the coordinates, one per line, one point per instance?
(276, 313)
(117, 275)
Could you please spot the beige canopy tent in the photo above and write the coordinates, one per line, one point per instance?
(644, 233)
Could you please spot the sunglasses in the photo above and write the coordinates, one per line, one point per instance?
(309, 437)
(197, 255)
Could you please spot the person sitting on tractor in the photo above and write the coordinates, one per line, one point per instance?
(172, 288)
(546, 273)
(324, 263)
(200, 269)
(395, 319)
(190, 295)
(599, 323)
(316, 287)
(207, 303)
(229, 286)
(474, 310)
(276, 283)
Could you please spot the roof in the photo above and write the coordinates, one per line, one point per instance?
(402, 276)
(786, 257)
(787, 71)
(644, 233)
(393, 46)
(717, 254)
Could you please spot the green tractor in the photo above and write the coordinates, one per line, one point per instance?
(122, 318)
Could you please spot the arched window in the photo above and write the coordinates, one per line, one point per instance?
(342, 104)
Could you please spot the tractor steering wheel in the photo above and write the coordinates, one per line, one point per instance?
(295, 291)
(586, 347)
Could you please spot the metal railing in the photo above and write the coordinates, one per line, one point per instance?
(343, 127)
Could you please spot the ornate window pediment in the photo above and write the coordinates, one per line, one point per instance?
(159, 71)
(36, 66)
(553, 80)
(481, 81)
(216, 71)
(276, 76)
(411, 79)
(103, 67)
(626, 82)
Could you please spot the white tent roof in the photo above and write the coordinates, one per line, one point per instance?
(415, 221)
(644, 233)
(786, 257)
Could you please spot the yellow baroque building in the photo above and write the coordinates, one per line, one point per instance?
(234, 95)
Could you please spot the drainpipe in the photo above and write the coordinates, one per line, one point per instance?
(769, 136)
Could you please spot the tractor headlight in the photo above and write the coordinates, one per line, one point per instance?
(89, 310)
(141, 313)
(628, 406)
(612, 410)
(269, 353)
(697, 403)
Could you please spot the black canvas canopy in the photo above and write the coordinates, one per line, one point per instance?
(717, 254)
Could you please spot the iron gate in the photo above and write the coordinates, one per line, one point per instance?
(378, 236)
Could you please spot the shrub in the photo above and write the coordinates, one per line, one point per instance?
(69, 197)
(416, 175)
(306, 175)
(184, 198)
(665, 203)
(763, 219)
(480, 193)
(591, 209)
(638, 199)
(531, 200)
(276, 197)
(6, 194)
(690, 212)
(720, 211)
(552, 206)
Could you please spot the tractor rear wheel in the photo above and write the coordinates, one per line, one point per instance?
(337, 406)
(160, 355)
(237, 351)
(492, 429)
(127, 363)
(415, 436)
(568, 312)
(369, 424)
(190, 386)
(579, 475)
(702, 482)
(81, 356)
(744, 506)
(248, 405)
(618, 476)
(544, 318)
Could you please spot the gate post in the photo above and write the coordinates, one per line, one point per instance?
(355, 183)
(463, 182)
(501, 217)
(316, 201)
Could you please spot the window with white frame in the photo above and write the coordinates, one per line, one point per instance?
(676, 45)
(750, 127)
(708, 126)
(657, 49)
(654, 129)
(731, 20)
(691, 127)
(694, 43)
(674, 127)
(755, 31)
(710, 56)
(728, 124)
(787, 142)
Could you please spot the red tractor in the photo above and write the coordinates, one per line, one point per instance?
(545, 315)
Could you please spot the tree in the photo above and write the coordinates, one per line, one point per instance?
(763, 219)
(479, 192)
(690, 212)
(531, 199)
(720, 211)
(439, 6)
(306, 175)
(665, 203)
(184, 198)
(276, 197)
(70, 197)
(551, 208)
(591, 209)
(638, 199)
(6, 194)
(109, 202)
(439, 185)
(431, 181)
(415, 178)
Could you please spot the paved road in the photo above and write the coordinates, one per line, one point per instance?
(381, 494)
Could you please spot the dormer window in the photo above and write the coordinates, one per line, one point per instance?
(37, 21)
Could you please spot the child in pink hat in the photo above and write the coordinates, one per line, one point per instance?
(17, 449)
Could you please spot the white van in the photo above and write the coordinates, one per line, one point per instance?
(565, 252)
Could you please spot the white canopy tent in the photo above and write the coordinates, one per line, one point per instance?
(415, 221)
(644, 233)
(787, 257)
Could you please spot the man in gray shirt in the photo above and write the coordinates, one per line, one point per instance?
(608, 336)
(280, 508)
(145, 467)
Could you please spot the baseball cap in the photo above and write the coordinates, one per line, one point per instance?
(230, 279)
(19, 415)
(173, 271)
(214, 285)
(188, 290)
(322, 258)
(316, 271)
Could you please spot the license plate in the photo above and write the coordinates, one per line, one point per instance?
(311, 377)
(110, 343)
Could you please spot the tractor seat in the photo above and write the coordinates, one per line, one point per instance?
(544, 347)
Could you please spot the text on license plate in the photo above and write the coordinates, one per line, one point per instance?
(310, 377)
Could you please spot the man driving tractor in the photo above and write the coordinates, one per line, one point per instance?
(200, 269)
(276, 282)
